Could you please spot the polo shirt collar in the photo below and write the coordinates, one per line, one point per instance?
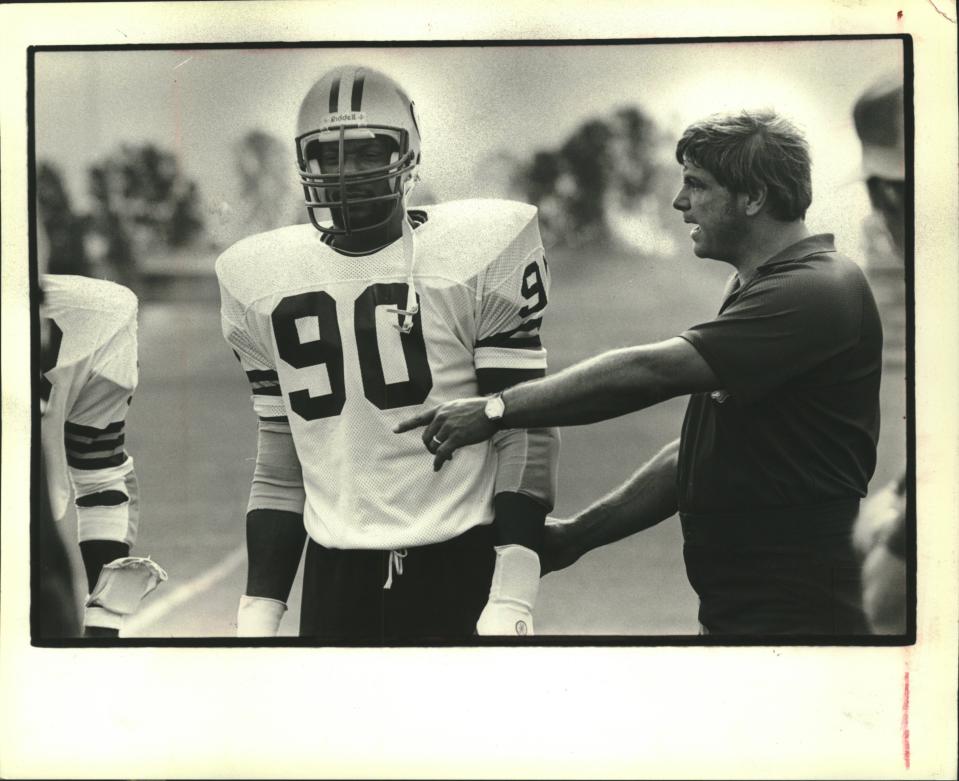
(807, 247)
(816, 244)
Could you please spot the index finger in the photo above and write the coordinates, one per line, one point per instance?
(443, 454)
(416, 421)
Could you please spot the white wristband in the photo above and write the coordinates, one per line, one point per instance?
(516, 575)
(259, 616)
(101, 617)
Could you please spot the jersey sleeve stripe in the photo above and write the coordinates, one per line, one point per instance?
(275, 419)
(77, 462)
(268, 406)
(528, 326)
(102, 499)
(74, 429)
(514, 343)
(262, 375)
(505, 358)
(100, 452)
(79, 446)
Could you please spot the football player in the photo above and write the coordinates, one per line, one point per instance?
(881, 533)
(346, 325)
(89, 373)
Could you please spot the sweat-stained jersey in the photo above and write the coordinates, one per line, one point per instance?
(88, 378)
(312, 329)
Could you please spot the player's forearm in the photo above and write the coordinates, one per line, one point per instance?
(526, 465)
(647, 498)
(96, 554)
(275, 534)
(612, 384)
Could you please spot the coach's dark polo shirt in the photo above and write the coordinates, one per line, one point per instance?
(776, 461)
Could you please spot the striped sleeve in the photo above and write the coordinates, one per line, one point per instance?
(94, 437)
(254, 357)
(514, 300)
(89, 447)
(266, 393)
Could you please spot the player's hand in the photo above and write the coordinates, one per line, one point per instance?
(558, 550)
(122, 584)
(884, 591)
(877, 520)
(512, 594)
(259, 616)
(451, 426)
(505, 619)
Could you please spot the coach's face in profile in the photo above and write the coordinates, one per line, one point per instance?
(717, 214)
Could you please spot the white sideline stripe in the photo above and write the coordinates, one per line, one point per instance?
(159, 607)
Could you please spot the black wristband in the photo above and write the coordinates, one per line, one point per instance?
(519, 520)
(275, 540)
(97, 553)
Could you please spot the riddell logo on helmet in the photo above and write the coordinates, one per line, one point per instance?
(339, 119)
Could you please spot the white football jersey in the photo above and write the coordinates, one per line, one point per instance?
(313, 330)
(87, 382)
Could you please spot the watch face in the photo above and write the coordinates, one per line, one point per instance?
(495, 408)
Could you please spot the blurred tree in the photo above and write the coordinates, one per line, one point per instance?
(142, 203)
(586, 157)
(605, 167)
(64, 230)
(632, 155)
(108, 238)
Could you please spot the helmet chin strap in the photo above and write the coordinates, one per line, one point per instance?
(405, 319)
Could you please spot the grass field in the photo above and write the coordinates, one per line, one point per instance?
(192, 435)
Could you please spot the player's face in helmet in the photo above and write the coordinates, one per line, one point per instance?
(368, 198)
(715, 213)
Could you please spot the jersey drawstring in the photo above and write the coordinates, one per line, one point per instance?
(395, 560)
(405, 319)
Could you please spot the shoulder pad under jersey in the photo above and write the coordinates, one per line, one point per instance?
(92, 311)
(464, 237)
(248, 267)
(499, 216)
(65, 291)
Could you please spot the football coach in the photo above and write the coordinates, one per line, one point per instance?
(779, 438)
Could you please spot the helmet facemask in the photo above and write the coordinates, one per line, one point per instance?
(331, 191)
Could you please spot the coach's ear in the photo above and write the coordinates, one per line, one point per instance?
(755, 201)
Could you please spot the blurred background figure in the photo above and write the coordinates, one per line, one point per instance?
(266, 194)
(881, 532)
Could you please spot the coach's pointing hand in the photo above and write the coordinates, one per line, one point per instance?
(451, 426)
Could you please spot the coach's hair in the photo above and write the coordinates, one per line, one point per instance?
(751, 149)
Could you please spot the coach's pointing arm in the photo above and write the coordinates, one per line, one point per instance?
(607, 386)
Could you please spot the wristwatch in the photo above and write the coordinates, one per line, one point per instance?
(495, 408)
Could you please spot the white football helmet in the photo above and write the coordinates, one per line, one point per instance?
(348, 103)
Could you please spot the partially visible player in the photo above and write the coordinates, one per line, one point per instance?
(346, 325)
(88, 379)
(881, 530)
